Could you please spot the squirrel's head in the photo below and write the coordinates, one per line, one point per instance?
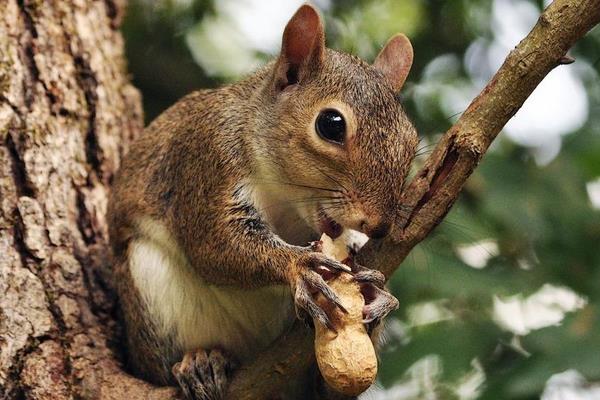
(335, 139)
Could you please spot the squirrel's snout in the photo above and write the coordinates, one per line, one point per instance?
(377, 230)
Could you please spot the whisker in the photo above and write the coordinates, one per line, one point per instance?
(454, 115)
(420, 153)
(304, 185)
(273, 182)
(337, 182)
(305, 200)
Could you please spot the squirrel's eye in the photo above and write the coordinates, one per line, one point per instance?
(330, 126)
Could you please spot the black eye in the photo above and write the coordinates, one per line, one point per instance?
(330, 125)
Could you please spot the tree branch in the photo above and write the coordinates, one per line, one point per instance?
(292, 354)
(436, 186)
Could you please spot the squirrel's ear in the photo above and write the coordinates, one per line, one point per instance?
(302, 47)
(395, 60)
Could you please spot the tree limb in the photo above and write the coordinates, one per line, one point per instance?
(437, 185)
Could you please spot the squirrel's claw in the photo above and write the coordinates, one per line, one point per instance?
(202, 375)
(317, 282)
(331, 264)
(365, 275)
(310, 278)
(303, 300)
(379, 303)
(309, 281)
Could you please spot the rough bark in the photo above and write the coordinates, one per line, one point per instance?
(67, 114)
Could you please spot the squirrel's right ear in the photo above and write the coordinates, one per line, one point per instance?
(394, 60)
(302, 47)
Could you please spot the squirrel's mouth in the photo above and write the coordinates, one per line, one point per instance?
(328, 225)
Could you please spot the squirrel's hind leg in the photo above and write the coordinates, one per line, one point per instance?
(202, 375)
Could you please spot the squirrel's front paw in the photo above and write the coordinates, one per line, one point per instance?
(202, 375)
(307, 279)
(378, 301)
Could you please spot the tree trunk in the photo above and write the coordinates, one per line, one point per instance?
(67, 114)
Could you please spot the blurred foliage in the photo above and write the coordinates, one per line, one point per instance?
(540, 216)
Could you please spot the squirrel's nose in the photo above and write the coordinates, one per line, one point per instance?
(376, 231)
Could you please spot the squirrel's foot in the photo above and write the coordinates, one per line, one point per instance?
(202, 375)
(378, 301)
(309, 280)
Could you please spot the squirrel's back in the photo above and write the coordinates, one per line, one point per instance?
(195, 137)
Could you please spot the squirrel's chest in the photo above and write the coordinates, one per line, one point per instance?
(199, 315)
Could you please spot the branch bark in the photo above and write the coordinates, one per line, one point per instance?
(433, 190)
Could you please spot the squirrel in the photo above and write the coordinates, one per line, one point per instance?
(214, 205)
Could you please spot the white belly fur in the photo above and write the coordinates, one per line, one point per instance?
(242, 322)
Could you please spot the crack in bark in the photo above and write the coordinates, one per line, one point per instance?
(17, 391)
(25, 254)
(439, 177)
(89, 84)
(27, 53)
(23, 185)
(28, 58)
(15, 109)
(84, 221)
(63, 336)
(112, 11)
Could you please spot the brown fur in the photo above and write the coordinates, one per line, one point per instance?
(193, 165)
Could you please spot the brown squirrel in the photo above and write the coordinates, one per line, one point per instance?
(215, 203)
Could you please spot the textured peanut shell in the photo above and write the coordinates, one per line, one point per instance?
(346, 359)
